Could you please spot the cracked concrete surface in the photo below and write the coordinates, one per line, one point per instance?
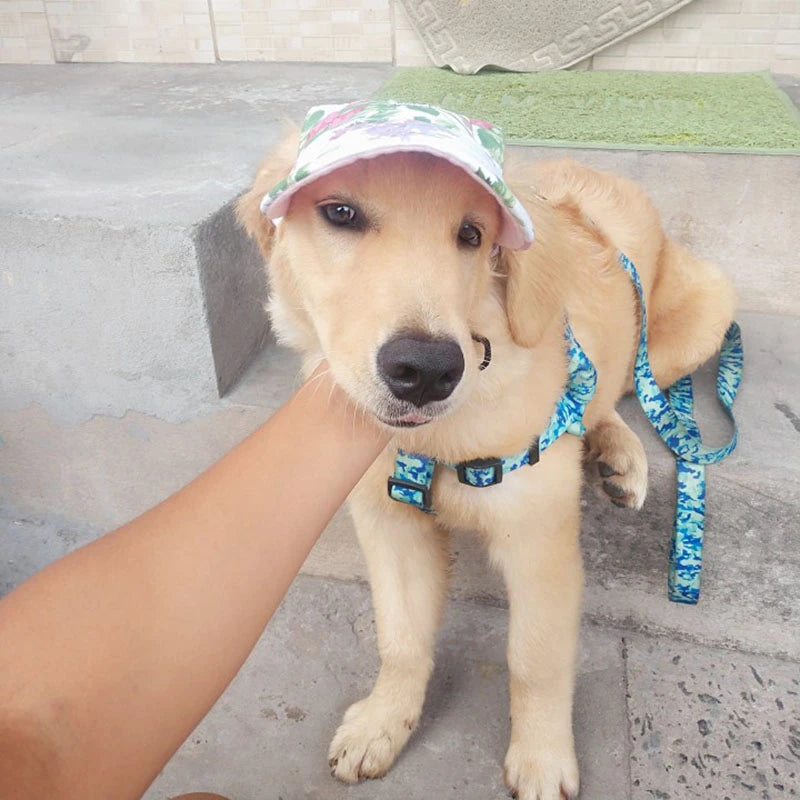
(711, 723)
(703, 722)
(108, 402)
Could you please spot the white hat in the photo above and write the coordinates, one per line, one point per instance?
(336, 135)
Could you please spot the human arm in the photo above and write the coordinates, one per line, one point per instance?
(111, 656)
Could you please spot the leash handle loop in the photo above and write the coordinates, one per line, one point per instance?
(683, 440)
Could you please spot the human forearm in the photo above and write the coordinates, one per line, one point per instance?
(124, 645)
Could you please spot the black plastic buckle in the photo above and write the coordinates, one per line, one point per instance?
(402, 483)
(480, 463)
(533, 452)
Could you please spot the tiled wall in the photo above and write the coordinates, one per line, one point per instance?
(706, 35)
(714, 36)
(305, 30)
(122, 30)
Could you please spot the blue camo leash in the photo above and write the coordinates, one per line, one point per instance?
(671, 416)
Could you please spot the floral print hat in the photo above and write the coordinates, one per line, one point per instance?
(334, 136)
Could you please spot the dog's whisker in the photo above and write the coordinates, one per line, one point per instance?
(315, 383)
(317, 378)
(353, 425)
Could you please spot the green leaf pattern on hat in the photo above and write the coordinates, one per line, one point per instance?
(493, 142)
(498, 187)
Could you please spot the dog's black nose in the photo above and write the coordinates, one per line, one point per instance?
(421, 368)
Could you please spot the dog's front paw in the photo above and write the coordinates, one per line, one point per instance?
(547, 773)
(621, 462)
(369, 739)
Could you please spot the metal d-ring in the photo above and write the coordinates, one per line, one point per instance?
(487, 350)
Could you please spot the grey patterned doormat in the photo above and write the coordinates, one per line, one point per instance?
(527, 35)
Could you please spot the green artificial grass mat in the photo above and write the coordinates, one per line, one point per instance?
(739, 113)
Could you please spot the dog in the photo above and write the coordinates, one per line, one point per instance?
(389, 268)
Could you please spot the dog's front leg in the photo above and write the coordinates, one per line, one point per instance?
(541, 563)
(406, 556)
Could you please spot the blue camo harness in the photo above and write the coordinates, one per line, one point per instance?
(671, 416)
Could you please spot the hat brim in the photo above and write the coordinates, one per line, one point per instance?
(514, 233)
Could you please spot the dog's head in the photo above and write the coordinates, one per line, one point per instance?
(385, 267)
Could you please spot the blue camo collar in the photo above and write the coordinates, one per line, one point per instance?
(413, 472)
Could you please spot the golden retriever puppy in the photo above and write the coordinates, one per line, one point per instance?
(386, 267)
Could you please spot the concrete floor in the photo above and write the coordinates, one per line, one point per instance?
(673, 702)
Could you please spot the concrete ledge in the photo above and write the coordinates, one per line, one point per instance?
(100, 473)
(733, 210)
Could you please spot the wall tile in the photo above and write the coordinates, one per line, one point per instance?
(724, 35)
(24, 33)
(310, 30)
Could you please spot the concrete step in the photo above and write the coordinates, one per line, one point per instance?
(653, 717)
(733, 210)
(100, 473)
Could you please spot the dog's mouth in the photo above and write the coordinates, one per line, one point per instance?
(412, 420)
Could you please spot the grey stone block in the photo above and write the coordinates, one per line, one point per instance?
(99, 318)
(711, 723)
(108, 168)
(163, 144)
(268, 735)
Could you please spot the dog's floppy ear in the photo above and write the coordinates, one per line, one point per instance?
(537, 279)
(540, 279)
(534, 294)
(273, 169)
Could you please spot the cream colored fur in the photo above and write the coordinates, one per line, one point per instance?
(339, 294)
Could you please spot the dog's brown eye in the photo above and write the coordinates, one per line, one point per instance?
(340, 214)
(469, 234)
